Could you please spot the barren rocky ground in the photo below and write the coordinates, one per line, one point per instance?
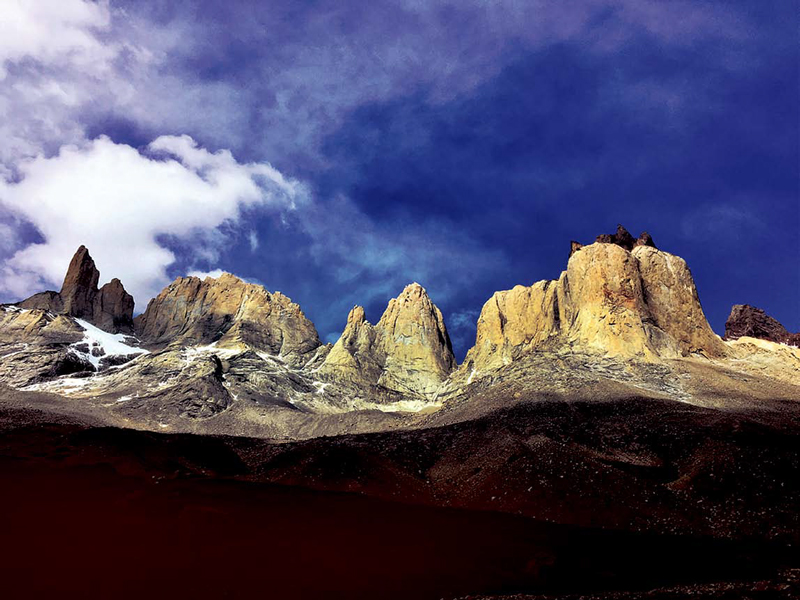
(628, 498)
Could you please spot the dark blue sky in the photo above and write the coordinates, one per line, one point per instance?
(465, 146)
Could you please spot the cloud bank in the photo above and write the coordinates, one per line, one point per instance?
(121, 203)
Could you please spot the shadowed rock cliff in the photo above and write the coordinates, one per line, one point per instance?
(749, 321)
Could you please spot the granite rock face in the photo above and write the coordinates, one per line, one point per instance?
(673, 303)
(35, 345)
(749, 321)
(227, 312)
(110, 308)
(113, 308)
(408, 350)
(639, 303)
(79, 289)
(46, 301)
(355, 356)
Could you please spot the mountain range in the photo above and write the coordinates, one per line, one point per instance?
(599, 398)
(225, 356)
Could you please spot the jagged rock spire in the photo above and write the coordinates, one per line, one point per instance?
(416, 326)
(79, 289)
(110, 308)
(408, 350)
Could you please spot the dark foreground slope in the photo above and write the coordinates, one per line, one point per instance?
(633, 464)
(627, 495)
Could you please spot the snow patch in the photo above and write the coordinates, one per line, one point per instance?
(111, 344)
(14, 309)
(59, 385)
(267, 357)
(192, 352)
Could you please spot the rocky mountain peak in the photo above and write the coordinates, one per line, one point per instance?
(746, 320)
(80, 285)
(413, 305)
(223, 343)
(109, 308)
(408, 350)
(356, 317)
(228, 312)
(619, 296)
(416, 339)
(113, 308)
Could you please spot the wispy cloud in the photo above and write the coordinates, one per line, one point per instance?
(723, 222)
(215, 274)
(71, 65)
(252, 238)
(374, 261)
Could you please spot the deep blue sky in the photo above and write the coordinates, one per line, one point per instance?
(487, 139)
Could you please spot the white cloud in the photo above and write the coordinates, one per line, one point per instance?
(121, 202)
(66, 65)
(9, 239)
(215, 274)
(54, 31)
